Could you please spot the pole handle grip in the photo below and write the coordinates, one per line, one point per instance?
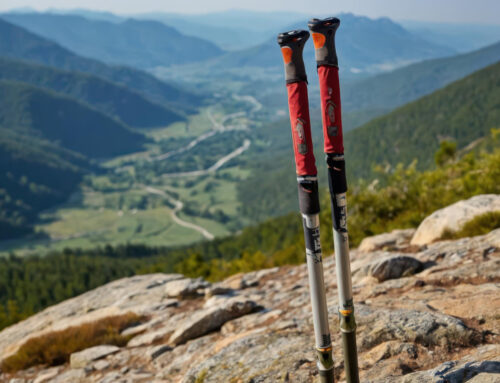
(323, 34)
(292, 45)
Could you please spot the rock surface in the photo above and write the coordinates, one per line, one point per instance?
(453, 217)
(186, 287)
(211, 319)
(387, 241)
(437, 323)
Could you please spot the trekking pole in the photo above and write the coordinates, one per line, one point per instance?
(323, 33)
(292, 45)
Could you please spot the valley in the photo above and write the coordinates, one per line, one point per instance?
(160, 196)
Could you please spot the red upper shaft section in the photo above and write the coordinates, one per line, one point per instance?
(330, 108)
(298, 104)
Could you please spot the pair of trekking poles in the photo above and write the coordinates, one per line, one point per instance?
(292, 44)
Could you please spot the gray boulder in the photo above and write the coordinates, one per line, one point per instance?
(391, 267)
(395, 267)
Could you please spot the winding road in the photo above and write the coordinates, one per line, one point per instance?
(178, 205)
(212, 169)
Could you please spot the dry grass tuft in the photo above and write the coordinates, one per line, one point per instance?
(55, 348)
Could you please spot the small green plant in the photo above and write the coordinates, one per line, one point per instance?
(446, 153)
(201, 376)
(55, 348)
(479, 225)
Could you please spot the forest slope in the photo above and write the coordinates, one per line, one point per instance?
(110, 98)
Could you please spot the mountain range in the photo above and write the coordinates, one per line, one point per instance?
(136, 43)
(363, 47)
(18, 43)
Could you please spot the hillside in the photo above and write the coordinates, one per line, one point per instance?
(18, 43)
(75, 126)
(461, 112)
(389, 90)
(34, 175)
(109, 98)
(427, 313)
(364, 46)
(137, 43)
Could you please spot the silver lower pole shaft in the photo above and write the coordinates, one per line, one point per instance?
(338, 188)
(309, 207)
(344, 285)
(318, 297)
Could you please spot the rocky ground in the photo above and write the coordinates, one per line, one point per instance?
(425, 313)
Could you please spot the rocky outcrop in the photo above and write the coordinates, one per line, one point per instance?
(424, 314)
(453, 217)
(212, 318)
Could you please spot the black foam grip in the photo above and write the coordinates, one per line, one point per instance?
(337, 180)
(308, 196)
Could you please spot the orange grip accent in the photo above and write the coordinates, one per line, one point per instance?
(318, 39)
(287, 54)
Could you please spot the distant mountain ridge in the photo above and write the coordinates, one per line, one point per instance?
(364, 46)
(18, 43)
(137, 43)
(110, 98)
(389, 90)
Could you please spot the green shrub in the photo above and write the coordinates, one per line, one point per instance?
(482, 224)
(55, 348)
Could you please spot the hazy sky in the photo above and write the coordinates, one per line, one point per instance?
(472, 11)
